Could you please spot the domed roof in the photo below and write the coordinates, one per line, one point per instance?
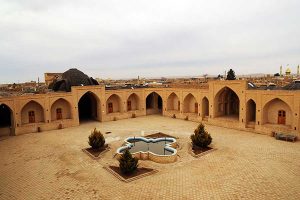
(76, 77)
(288, 70)
(295, 85)
(73, 77)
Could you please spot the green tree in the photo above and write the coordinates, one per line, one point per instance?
(96, 139)
(231, 75)
(201, 137)
(127, 163)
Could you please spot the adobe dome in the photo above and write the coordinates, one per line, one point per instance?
(72, 77)
(295, 85)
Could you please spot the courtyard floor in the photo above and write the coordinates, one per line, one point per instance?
(52, 165)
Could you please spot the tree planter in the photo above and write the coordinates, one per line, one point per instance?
(96, 153)
(139, 173)
(197, 152)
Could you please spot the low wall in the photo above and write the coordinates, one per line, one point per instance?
(190, 116)
(152, 111)
(40, 127)
(233, 124)
(226, 123)
(154, 157)
(5, 131)
(125, 115)
(268, 129)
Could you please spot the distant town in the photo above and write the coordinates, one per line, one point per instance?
(278, 80)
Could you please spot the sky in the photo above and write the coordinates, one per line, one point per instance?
(158, 38)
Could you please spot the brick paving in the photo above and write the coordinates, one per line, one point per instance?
(51, 165)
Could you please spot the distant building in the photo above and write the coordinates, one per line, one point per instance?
(288, 72)
(50, 77)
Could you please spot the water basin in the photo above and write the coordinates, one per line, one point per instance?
(162, 150)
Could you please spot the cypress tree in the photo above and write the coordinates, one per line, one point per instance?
(201, 137)
(231, 75)
(127, 163)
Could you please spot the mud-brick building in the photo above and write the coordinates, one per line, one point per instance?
(76, 98)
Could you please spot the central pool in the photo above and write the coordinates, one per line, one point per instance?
(162, 150)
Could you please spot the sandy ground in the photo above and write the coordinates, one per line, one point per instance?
(52, 165)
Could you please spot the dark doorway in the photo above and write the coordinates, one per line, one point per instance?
(251, 111)
(154, 104)
(159, 102)
(5, 120)
(87, 107)
(5, 116)
(149, 101)
(227, 104)
(205, 107)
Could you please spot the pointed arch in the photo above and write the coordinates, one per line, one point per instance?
(205, 107)
(89, 107)
(133, 102)
(114, 104)
(154, 104)
(227, 103)
(32, 112)
(277, 111)
(250, 111)
(60, 110)
(173, 102)
(190, 104)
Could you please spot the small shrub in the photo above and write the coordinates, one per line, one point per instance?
(127, 163)
(186, 118)
(201, 137)
(133, 115)
(174, 116)
(96, 139)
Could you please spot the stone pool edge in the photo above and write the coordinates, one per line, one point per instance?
(141, 155)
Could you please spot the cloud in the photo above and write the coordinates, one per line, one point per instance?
(121, 39)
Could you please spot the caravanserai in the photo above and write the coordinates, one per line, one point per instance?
(76, 98)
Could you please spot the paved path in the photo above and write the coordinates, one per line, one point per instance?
(51, 165)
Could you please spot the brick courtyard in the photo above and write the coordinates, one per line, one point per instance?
(51, 165)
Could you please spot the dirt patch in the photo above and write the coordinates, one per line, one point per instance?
(79, 175)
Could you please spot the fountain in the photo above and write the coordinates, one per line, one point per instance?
(161, 150)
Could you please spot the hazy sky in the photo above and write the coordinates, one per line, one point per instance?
(127, 38)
